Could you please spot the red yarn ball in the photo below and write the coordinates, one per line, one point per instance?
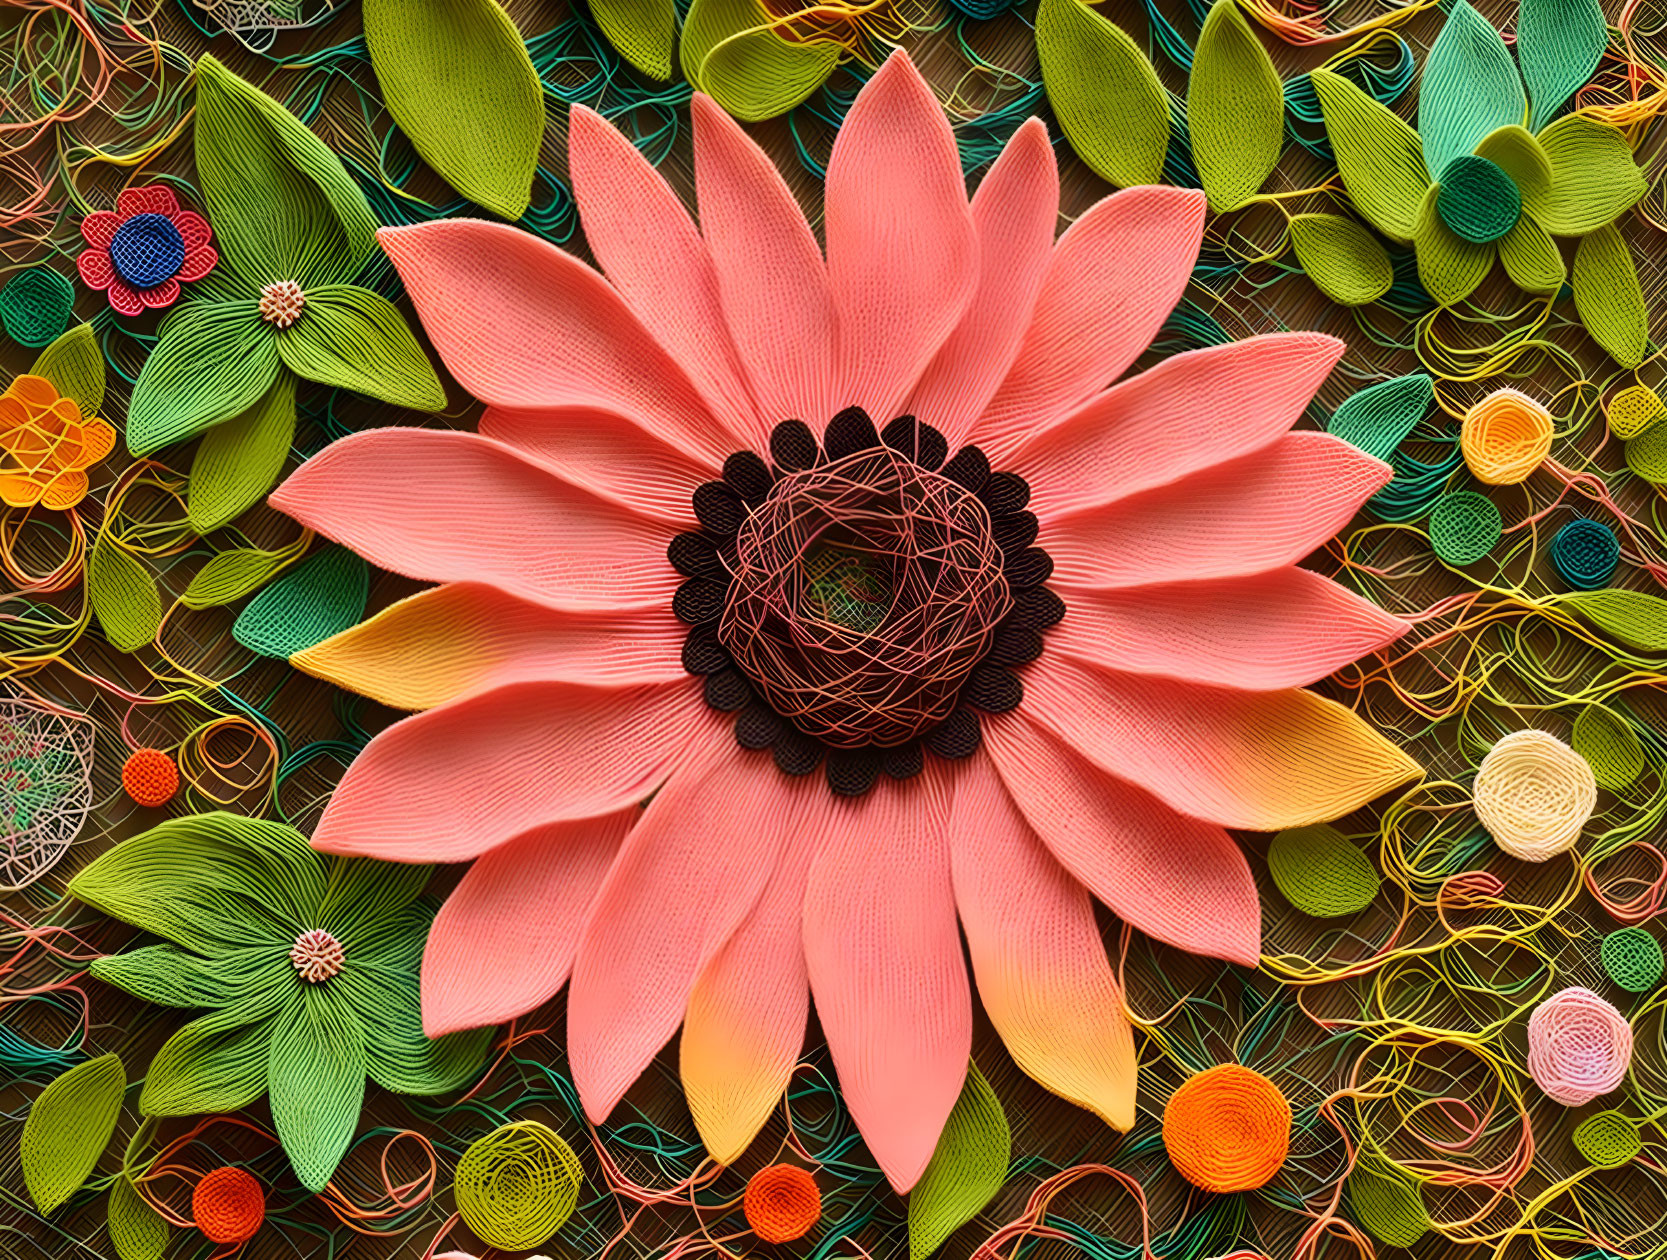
(228, 1206)
(150, 777)
(782, 1203)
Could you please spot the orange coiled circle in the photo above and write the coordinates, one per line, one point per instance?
(782, 1203)
(1227, 1129)
(150, 777)
(1505, 437)
(228, 1206)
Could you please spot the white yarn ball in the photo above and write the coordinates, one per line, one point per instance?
(1534, 793)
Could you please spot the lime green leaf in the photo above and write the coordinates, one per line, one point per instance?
(137, 1231)
(1388, 1204)
(485, 139)
(1378, 155)
(124, 596)
(1594, 179)
(1608, 297)
(238, 461)
(317, 1082)
(1521, 157)
(1631, 618)
(1378, 418)
(1609, 745)
(398, 1056)
(1449, 267)
(169, 976)
(68, 1128)
(1646, 453)
(1470, 87)
(233, 574)
(731, 52)
(1559, 43)
(967, 1168)
(216, 1063)
(213, 361)
(1342, 258)
(355, 339)
(1104, 92)
(75, 366)
(642, 30)
(1322, 872)
(322, 597)
(1532, 258)
(282, 205)
(1235, 109)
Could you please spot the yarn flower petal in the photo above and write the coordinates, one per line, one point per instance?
(354, 339)
(1379, 157)
(1470, 87)
(212, 361)
(316, 1076)
(216, 1063)
(1449, 267)
(1594, 177)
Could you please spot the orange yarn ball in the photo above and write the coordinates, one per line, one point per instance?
(228, 1206)
(1505, 437)
(782, 1203)
(150, 777)
(1227, 1129)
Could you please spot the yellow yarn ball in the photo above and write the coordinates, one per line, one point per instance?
(1634, 409)
(1505, 437)
(517, 1186)
(1534, 793)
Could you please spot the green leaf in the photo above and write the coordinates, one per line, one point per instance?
(1235, 109)
(966, 1170)
(355, 339)
(1378, 155)
(1343, 259)
(233, 574)
(137, 1231)
(1449, 267)
(238, 460)
(124, 596)
(1559, 43)
(75, 366)
(168, 976)
(731, 52)
(1470, 87)
(212, 361)
(317, 1082)
(1594, 179)
(218, 1062)
(282, 205)
(1104, 92)
(398, 1056)
(1609, 745)
(322, 597)
(1378, 418)
(1608, 297)
(1388, 1204)
(68, 1128)
(1631, 618)
(1532, 258)
(485, 139)
(1521, 157)
(643, 31)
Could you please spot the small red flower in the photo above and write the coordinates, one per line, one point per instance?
(140, 252)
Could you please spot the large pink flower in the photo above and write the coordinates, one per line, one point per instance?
(1045, 636)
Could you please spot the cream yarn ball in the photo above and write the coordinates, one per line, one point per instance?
(1534, 793)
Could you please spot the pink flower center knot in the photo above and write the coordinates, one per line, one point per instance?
(317, 956)
(281, 303)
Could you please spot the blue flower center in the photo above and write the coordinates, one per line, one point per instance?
(1478, 200)
(147, 250)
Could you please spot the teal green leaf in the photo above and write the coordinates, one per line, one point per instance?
(1343, 259)
(320, 598)
(212, 361)
(730, 51)
(1559, 43)
(1235, 109)
(1532, 258)
(68, 1128)
(282, 205)
(317, 1082)
(643, 31)
(35, 305)
(355, 339)
(1608, 297)
(123, 595)
(457, 78)
(1631, 618)
(966, 1170)
(1449, 267)
(1470, 87)
(218, 1062)
(137, 1231)
(238, 460)
(231, 575)
(168, 976)
(1378, 155)
(1378, 418)
(1104, 92)
(1594, 179)
(75, 366)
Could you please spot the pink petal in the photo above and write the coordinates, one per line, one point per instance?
(1037, 955)
(884, 959)
(1113, 279)
(1176, 879)
(451, 783)
(745, 1025)
(1258, 760)
(523, 325)
(193, 229)
(607, 455)
(97, 271)
(98, 229)
(466, 637)
(1014, 212)
(504, 942)
(689, 874)
(160, 295)
(771, 279)
(1190, 412)
(654, 257)
(902, 251)
(1260, 512)
(1284, 628)
(199, 261)
(124, 298)
(444, 506)
(153, 199)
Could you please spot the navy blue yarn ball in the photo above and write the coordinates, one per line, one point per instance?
(147, 250)
(1585, 554)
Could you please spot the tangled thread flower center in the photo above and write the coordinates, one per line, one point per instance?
(281, 303)
(317, 956)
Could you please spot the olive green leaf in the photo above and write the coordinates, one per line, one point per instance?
(484, 137)
(1235, 109)
(169, 976)
(212, 361)
(1470, 88)
(233, 574)
(965, 1171)
(1634, 619)
(238, 460)
(1594, 179)
(123, 595)
(1104, 92)
(1608, 297)
(1387, 1203)
(75, 366)
(354, 339)
(137, 1231)
(68, 1128)
(642, 30)
(731, 52)
(1532, 258)
(1559, 43)
(1449, 267)
(1521, 157)
(1378, 155)
(1343, 259)
(398, 1056)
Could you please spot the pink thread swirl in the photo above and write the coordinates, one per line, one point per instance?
(1579, 1046)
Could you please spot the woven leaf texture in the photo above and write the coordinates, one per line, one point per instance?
(68, 1128)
